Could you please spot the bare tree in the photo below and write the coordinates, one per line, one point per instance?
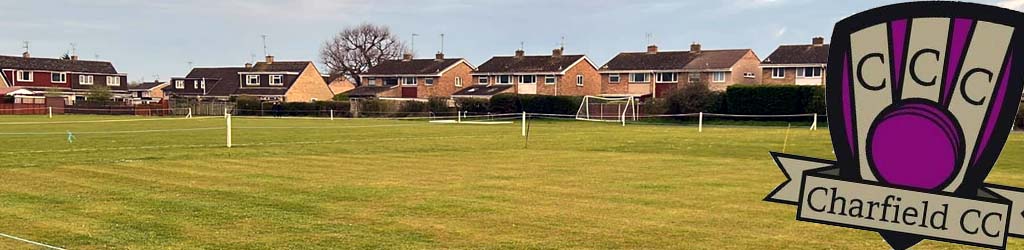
(356, 49)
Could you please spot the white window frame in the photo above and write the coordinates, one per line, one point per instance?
(659, 77)
(20, 73)
(483, 80)
(371, 81)
(549, 80)
(113, 81)
(778, 73)
(428, 81)
(717, 76)
(407, 81)
(63, 77)
(458, 81)
(497, 79)
(691, 79)
(85, 80)
(750, 75)
(249, 80)
(278, 78)
(178, 84)
(632, 77)
(614, 78)
(579, 80)
(522, 79)
(802, 72)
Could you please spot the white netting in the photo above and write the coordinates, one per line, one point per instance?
(607, 109)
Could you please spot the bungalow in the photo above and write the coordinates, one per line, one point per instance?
(339, 84)
(286, 81)
(70, 78)
(797, 64)
(414, 78)
(656, 73)
(555, 74)
(147, 92)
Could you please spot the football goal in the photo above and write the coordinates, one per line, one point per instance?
(607, 109)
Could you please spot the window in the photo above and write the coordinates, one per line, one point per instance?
(694, 77)
(482, 80)
(458, 81)
(667, 77)
(178, 84)
(87, 80)
(390, 81)
(408, 81)
(113, 81)
(613, 78)
(809, 72)
(527, 79)
(579, 80)
(371, 81)
(252, 80)
(749, 75)
(778, 73)
(428, 81)
(550, 80)
(195, 84)
(718, 77)
(58, 77)
(202, 83)
(503, 80)
(24, 76)
(276, 80)
(634, 77)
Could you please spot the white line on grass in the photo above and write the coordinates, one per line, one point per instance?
(105, 121)
(112, 132)
(30, 242)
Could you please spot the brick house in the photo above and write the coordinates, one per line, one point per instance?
(414, 78)
(797, 64)
(147, 92)
(70, 78)
(555, 74)
(657, 73)
(285, 81)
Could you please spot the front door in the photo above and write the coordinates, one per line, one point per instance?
(408, 92)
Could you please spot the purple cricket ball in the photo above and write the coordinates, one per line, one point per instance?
(915, 145)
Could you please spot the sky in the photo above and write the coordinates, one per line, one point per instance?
(162, 38)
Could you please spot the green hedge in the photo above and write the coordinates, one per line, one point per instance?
(250, 106)
(473, 105)
(512, 103)
(774, 99)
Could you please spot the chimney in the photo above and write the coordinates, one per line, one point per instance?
(652, 49)
(248, 65)
(270, 59)
(25, 55)
(520, 53)
(406, 57)
(818, 41)
(695, 47)
(439, 56)
(74, 58)
(556, 52)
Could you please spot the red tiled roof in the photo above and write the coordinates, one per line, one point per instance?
(676, 60)
(528, 64)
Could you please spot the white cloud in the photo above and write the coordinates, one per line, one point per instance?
(781, 32)
(1011, 4)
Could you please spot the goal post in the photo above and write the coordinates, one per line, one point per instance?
(607, 109)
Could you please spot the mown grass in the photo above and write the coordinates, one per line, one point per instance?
(358, 184)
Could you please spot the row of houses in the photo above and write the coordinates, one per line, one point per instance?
(650, 72)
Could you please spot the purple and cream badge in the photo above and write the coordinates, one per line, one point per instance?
(921, 98)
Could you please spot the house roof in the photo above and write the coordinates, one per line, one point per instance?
(799, 54)
(528, 64)
(146, 85)
(220, 81)
(413, 67)
(52, 64)
(676, 60)
(482, 90)
(280, 66)
(367, 91)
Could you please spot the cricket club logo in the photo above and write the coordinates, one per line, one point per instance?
(921, 98)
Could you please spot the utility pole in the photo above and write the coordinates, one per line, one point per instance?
(265, 51)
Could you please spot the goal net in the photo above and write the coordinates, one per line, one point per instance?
(607, 109)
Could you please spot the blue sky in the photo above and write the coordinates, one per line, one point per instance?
(161, 37)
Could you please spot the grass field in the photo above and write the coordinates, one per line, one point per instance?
(359, 184)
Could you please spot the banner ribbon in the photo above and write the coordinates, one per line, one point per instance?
(986, 218)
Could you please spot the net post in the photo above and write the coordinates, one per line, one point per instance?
(524, 123)
(458, 114)
(814, 125)
(227, 118)
(332, 114)
(49, 112)
(700, 122)
(225, 111)
(189, 115)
